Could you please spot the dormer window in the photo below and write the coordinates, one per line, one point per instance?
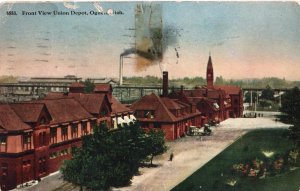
(149, 114)
(103, 113)
(43, 121)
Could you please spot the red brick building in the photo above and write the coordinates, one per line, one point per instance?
(119, 114)
(216, 103)
(36, 137)
(172, 115)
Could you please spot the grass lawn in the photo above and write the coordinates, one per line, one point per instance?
(217, 172)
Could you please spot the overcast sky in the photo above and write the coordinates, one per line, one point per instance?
(246, 40)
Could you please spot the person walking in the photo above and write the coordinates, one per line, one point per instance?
(171, 156)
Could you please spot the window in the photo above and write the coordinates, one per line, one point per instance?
(27, 141)
(3, 142)
(103, 123)
(4, 170)
(93, 125)
(42, 165)
(103, 113)
(64, 133)
(43, 120)
(149, 114)
(84, 128)
(42, 138)
(74, 132)
(53, 135)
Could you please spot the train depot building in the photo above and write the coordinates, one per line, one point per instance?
(174, 112)
(36, 136)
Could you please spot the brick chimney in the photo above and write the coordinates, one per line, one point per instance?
(165, 84)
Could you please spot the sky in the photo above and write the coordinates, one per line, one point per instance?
(245, 40)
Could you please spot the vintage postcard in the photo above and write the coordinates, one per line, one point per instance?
(149, 95)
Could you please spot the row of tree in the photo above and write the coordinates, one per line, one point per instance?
(198, 81)
(291, 113)
(112, 157)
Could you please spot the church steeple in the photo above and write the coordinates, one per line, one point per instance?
(210, 73)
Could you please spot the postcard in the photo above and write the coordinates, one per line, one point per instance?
(211, 77)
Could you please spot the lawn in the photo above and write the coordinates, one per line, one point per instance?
(218, 174)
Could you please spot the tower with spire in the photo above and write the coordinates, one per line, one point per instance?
(210, 74)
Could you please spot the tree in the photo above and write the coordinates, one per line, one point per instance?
(89, 86)
(111, 157)
(267, 93)
(156, 143)
(248, 97)
(219, 81)
(291, 109)
(265, 103)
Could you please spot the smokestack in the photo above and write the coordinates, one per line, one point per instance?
(121, 71)
(165, 84)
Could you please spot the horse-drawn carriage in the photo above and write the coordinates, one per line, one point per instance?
(193, 130)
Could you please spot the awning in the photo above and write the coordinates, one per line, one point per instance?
(127, 120)
(115, 122)
(120, 120)
(132, 117)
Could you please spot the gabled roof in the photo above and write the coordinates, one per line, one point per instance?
(199, 92)
(56, 95)
(209, 102)
(117, 107)
(102, 88)
(180, 96)
(170, 104)
(154, 103)
(231, 90)
(65, 110)
(215, 93)
(91, 102)
(10, 121)
(28, 112)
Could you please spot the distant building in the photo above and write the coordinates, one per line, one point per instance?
(110, 81)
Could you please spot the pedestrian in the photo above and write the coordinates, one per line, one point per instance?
(171, 156)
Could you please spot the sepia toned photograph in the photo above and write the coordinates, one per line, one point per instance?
(149, 96)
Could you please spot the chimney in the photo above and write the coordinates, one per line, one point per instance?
(165, 84)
